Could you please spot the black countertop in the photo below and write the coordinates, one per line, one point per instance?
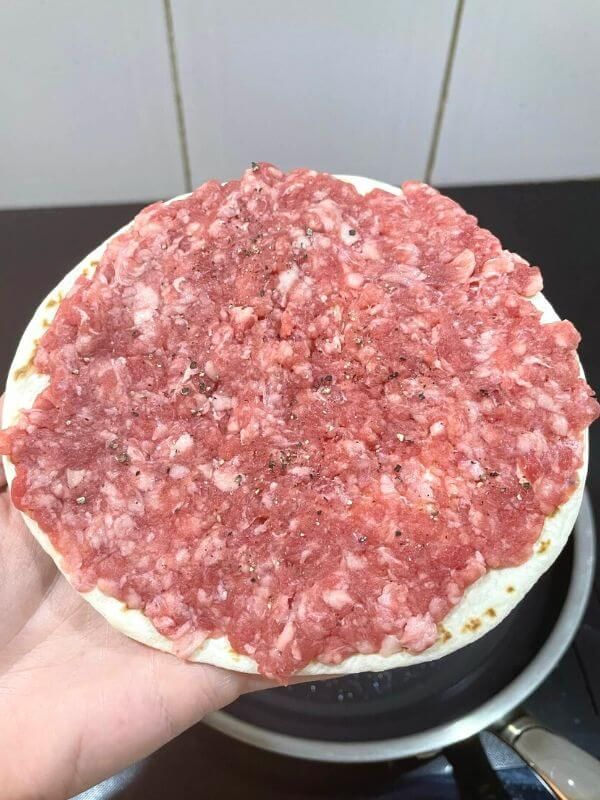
(552, 225)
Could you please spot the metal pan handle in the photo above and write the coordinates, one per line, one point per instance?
(570, 772)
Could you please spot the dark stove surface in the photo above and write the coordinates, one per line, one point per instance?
(553, 225)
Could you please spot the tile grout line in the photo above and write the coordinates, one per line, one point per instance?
(439, 116)
(183, 143)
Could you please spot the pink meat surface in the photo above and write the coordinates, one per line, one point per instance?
(300, 417)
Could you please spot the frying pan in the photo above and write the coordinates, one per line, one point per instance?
(421, 710)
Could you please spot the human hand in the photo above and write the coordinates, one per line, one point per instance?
(78, 700)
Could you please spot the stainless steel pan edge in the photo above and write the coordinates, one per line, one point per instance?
(492, 714)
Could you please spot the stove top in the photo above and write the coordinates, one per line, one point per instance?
(554, 225)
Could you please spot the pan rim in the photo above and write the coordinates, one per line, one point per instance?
(487, 715)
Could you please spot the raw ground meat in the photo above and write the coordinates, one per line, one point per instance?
(300, 417)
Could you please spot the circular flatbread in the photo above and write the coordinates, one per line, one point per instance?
(484, 604)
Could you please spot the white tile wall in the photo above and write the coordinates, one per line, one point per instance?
(524, 98)
(88, 110)
(340, 86)
(89, 104)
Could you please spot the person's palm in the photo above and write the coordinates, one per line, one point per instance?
(77, 699)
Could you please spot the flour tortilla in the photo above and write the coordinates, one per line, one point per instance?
(484, 605)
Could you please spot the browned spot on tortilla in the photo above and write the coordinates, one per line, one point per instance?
(90, 268)
(472, 625)
(444, 633)
(491, 612)
(510, 589)
(25, 369)
(544, 546)
(54, 301)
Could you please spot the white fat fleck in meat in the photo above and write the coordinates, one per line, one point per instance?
(226, 478)
(300, 472)
(354, 562)
(221, 591)
(206, 470)
(210, 550)
(74, 477)
(560, 424)
(347, 237)
(328, 213)
(243, 317)
(393, 597)
(485, 346)
(534, 285)
(437, 428)
(419, 633)
(215, 228)
(532, 442)
(497, 266)
(161, 430)
(145, 303)
(179, 284)
(221, 402)
(337, 598)
(462, 266)
(355, 280)
(403, 275)
(178, 471)
(390, 644)
(286, 636)
(211, 370)
(145, 481)
(472, 469)
(182, 444)
(126, 547)
(230, 208)
(123, 525)
(250, 432)
(333, 345)
(286, 280)
(386, 484)
(370, 250)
